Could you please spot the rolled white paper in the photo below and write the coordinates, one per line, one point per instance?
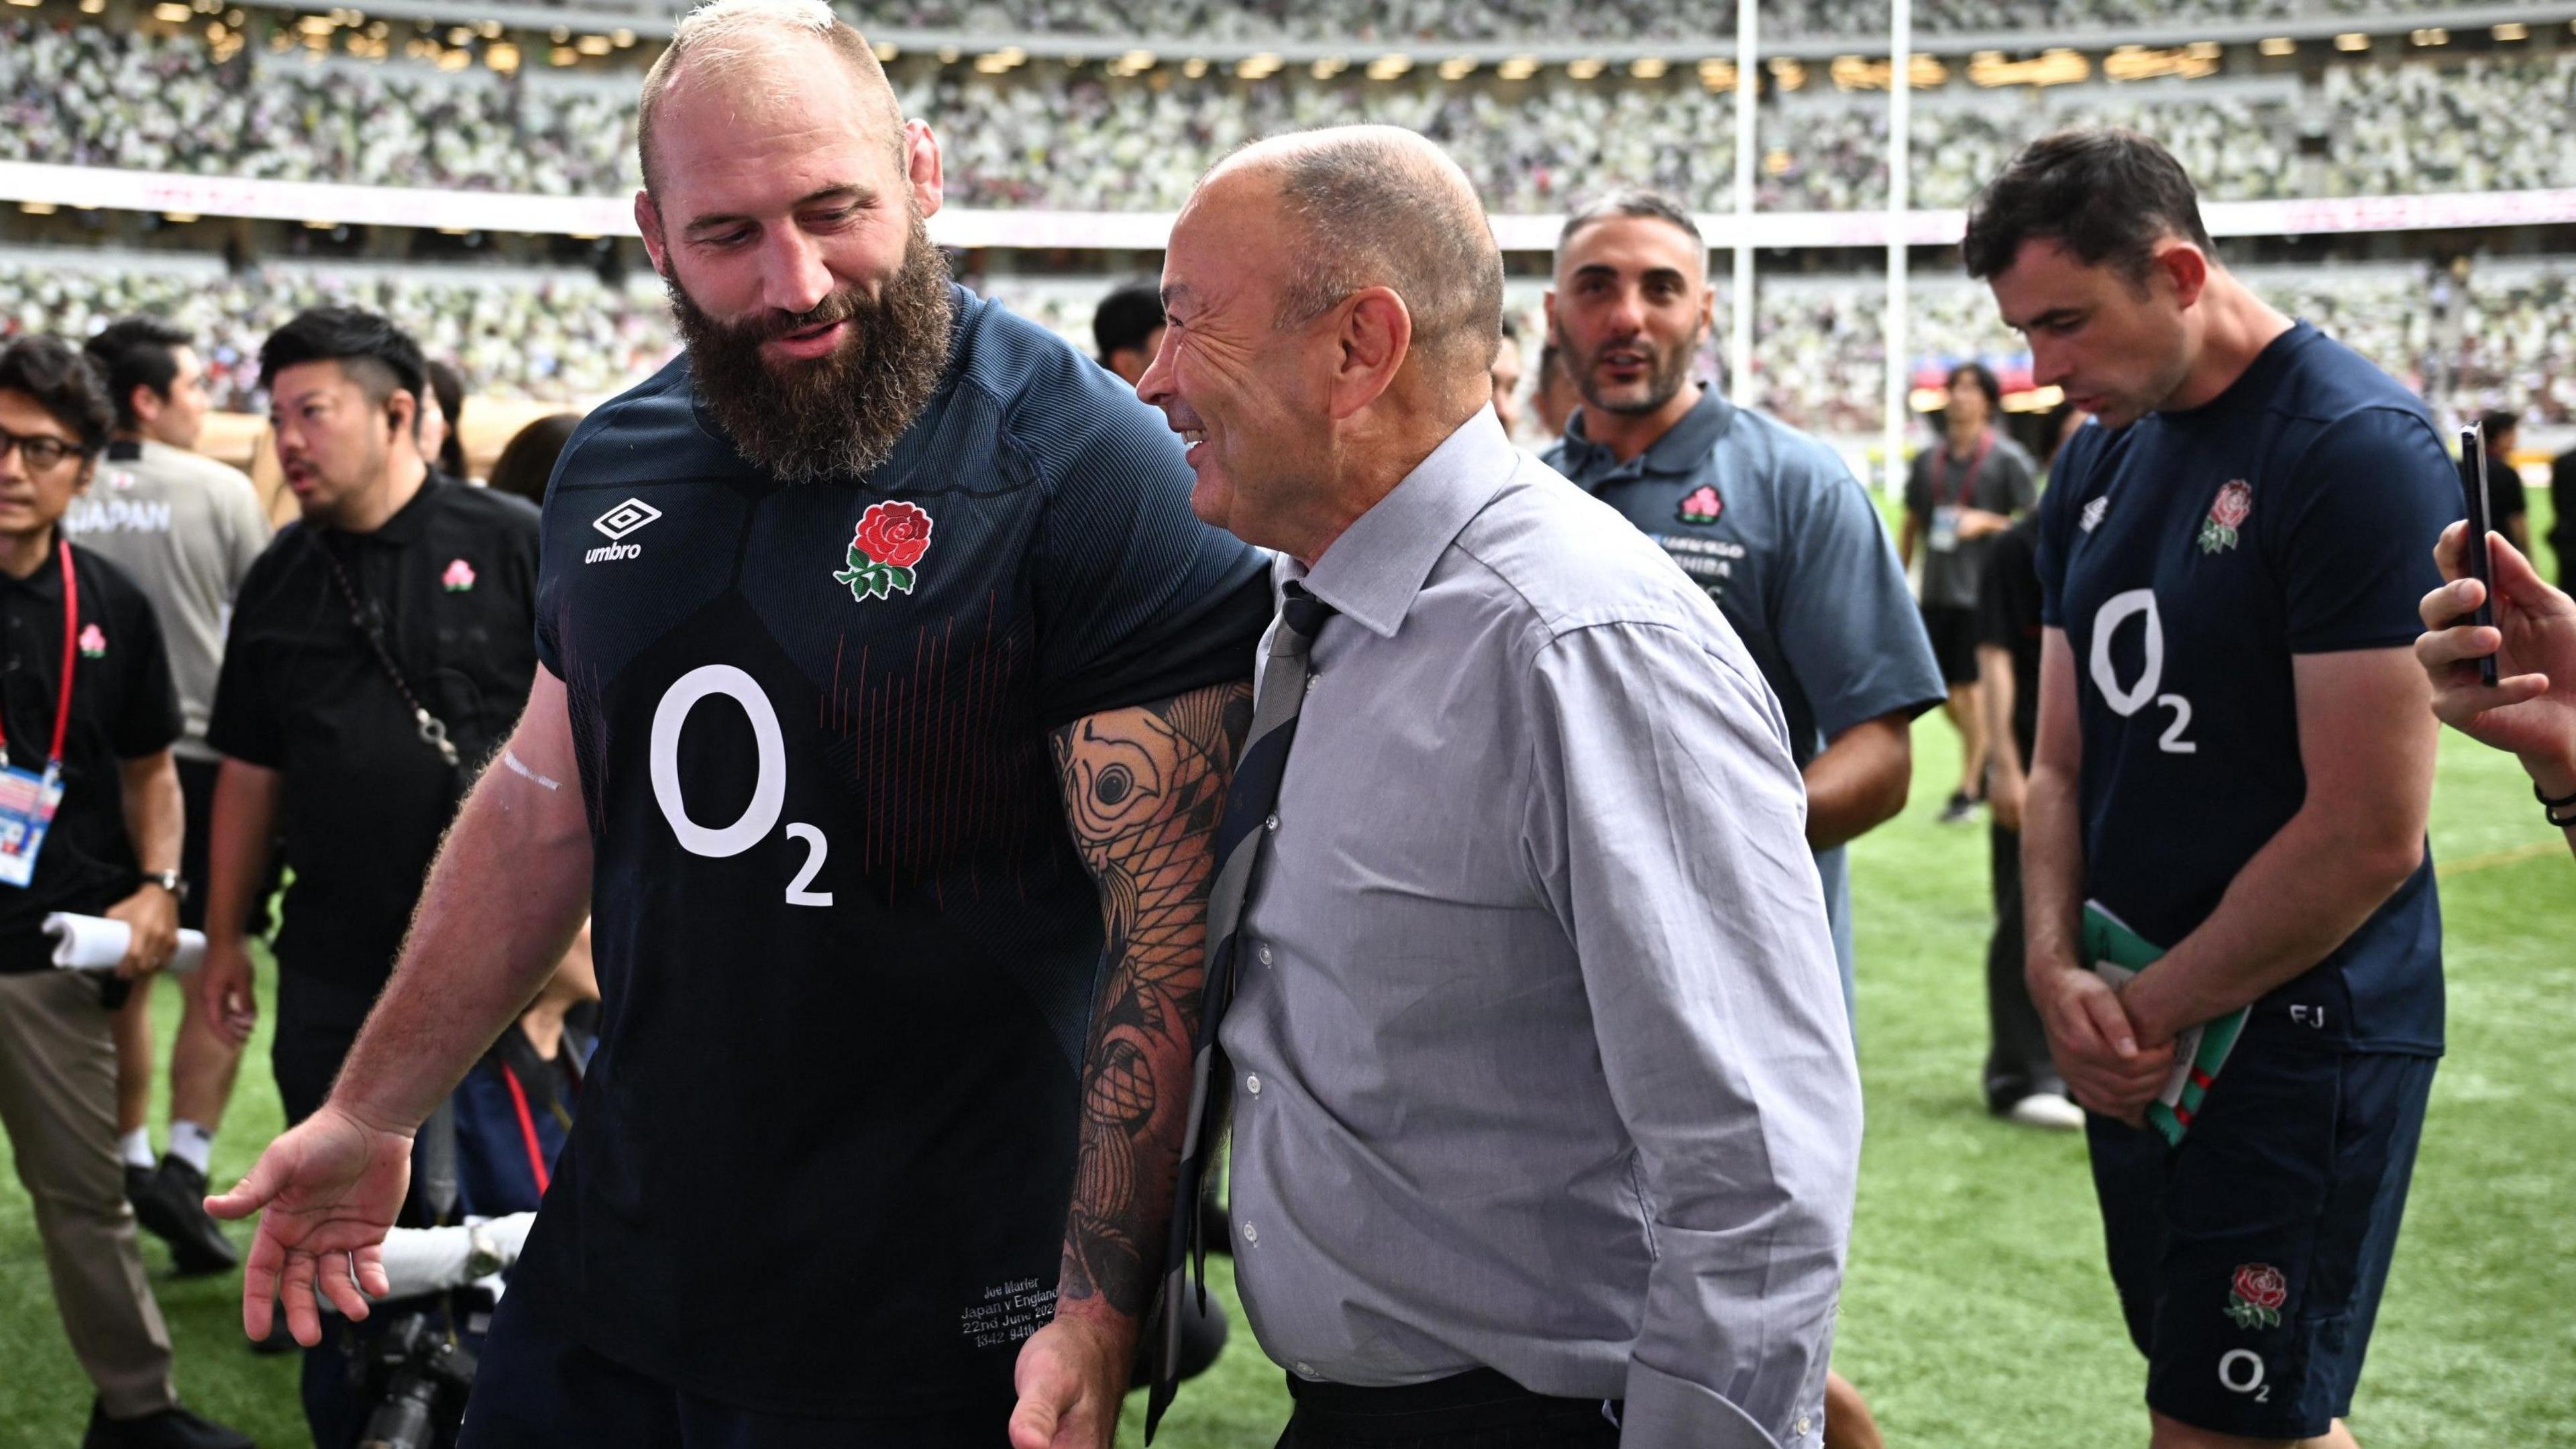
(95, 943)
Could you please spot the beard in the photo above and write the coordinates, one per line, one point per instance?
(1666, 370)
(835, 415)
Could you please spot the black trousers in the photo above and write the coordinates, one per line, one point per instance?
(1477, 1410)
(2017, 1063)
(197, 793)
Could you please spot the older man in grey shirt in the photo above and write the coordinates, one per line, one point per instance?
(1545, 1115)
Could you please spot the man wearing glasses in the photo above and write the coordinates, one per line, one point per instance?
(89, 824)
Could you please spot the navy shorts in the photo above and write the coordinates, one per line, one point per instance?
(539, 1388)
(2250, 1259)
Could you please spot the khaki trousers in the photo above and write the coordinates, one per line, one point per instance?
(58, 1102)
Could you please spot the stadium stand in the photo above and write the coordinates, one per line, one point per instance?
(88, 95)
(556, 336)
(2504, 337)
(1453, 20)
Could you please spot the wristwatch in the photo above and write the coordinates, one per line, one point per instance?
(167, 880)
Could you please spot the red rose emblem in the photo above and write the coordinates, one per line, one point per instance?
(2262, 1285)
(893, 534)
(2235, 501)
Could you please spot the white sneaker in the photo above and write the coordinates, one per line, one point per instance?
(2049, 1110)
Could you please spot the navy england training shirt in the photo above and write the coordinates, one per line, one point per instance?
(2191, 557)
(822, 1161)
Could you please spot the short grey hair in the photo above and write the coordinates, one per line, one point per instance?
(1635, 201)
(1381, 206)
(727, 36)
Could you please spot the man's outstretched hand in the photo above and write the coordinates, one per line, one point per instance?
(1071, 1376)
(331, 1187)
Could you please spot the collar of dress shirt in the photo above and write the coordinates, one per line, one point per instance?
(1372, 571)
(1682, 449)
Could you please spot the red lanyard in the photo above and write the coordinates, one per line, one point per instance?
(1967, 480)
(71, 656)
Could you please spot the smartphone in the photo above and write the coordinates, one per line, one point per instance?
(2473, 482)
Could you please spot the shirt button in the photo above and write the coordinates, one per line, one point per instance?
(1265, 955)
(1272, 823)
(1803, 1425)
(1251, 1234)
(1252, 1084)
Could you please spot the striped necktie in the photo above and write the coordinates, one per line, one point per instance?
(1250, 803)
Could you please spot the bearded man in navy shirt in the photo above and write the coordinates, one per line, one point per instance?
(888, 697)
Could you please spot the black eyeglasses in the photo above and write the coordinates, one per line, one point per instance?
(43, 451)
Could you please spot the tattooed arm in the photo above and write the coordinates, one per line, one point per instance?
(1144, 789)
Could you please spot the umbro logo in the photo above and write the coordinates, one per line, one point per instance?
(618, 522)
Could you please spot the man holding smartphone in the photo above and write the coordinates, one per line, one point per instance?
(2229, 786)
(2530, 711)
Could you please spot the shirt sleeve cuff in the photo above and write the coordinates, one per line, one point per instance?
(1665, 1412)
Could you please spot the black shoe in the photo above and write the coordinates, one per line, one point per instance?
(138, 1186)
(1960, 810)
(172, 1428)
(173, 1209)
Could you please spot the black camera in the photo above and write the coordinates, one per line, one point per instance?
(417, 1375)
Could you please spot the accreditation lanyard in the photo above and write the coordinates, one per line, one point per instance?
(1945, 516)
(28, 800)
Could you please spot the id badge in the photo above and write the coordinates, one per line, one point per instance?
(27, 805)
(1945, 528)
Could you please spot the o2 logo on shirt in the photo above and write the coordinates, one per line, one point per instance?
(769, 787)
(2127, 699)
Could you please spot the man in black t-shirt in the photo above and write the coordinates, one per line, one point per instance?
(1127, 328)
(2020, 1081)
(400, 592)
(2508, 505)
(89, 825)
(2562, 514)
(889, 702)
(1958, 498)
(377, 653)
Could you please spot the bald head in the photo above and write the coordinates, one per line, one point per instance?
(758, 53)
(1379, 206)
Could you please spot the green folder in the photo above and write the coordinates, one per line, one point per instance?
(2116, 954)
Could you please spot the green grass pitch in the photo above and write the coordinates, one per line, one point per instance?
(1977, 1311)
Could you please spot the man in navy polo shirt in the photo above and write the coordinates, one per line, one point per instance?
(1766, 518)
(2233, 767)
(1768, 521)
(888, 705)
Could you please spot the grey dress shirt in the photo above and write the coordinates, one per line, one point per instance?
(1540, 1062)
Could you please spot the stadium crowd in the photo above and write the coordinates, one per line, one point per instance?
(1427, 20)
(2505, 337)
(560, 339)
(91, 96)
(1436, 20)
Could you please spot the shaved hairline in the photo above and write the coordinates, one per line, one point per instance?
(718, 42)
